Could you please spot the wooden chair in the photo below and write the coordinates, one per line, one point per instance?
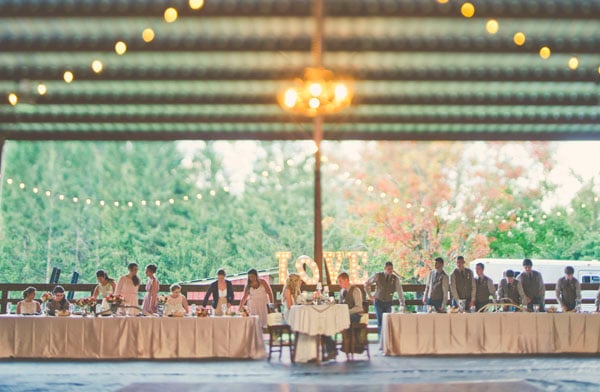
(355, 339)
(278, 330)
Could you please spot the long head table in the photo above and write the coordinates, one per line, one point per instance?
(490, 333)
(130, 337)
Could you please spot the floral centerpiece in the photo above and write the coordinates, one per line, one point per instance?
(162, 301)
(45, 298)
(244, 311)
(201, 312)
(86, 304)
(115, 301)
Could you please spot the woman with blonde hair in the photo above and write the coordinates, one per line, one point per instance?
(291, 292)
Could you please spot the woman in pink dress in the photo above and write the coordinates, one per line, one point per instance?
(259, 294)
(150, 304)
(128, 286)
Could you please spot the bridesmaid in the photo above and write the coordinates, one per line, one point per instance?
(259, 295)
(28, 305)
(106, 286)
(222, 293)
(128, 286)
(150, 304)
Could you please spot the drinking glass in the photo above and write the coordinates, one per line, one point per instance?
(223, 309)
(536, 308)
(400, 308)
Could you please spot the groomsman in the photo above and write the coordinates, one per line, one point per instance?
(462, 284)
(484, 288)
(437, 287)
(568, 290)
(386, 283)
(531, 285)
(508, 288)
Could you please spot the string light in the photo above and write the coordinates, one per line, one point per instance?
(573, 63)
(97, 66)
(491, 26)
(42, 89)
(13, 99)
(196, 4)
(545, 52)
(120, 48)
(467, 10)
(170, 15)
(68, 76)
(519, 39)
(148, 35)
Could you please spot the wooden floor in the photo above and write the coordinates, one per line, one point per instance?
(410, 374)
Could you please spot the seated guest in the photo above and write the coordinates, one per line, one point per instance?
(259, 294)
(437, 287)
(462, 284)
(58, 303)
(568, 290)
(106, 286)
(28, 305)
(222, 294)
(484, 288)
(531, 287)
(352, 296)
(176, 303)
(508, 290)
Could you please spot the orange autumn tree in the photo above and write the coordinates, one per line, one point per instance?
(410, 202)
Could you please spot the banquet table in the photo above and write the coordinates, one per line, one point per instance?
(130, 337)
(490, 333)
(310, 322)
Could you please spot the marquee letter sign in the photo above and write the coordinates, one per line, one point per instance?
(334, 262)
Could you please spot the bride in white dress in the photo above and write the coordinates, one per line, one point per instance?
(105, 287)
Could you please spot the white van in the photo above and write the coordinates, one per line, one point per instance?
(551, 270)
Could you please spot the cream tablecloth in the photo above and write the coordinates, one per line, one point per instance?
(311, 321)
(490, 333)
(130, 337)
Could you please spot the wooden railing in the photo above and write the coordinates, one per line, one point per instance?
(11, 292)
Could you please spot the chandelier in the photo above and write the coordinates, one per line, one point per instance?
(319, 91)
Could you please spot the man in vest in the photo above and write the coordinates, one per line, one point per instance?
(568, 290)
(386, 282)
(437, 287)
(484, 288)
(531, 287)
(462, 284)
(508, 289)
(352, 296)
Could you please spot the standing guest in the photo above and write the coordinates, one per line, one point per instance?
(598, 301)
(531, 284)
(28, 305)
(386, 284)
(259, 295)
(484, 288)
(568, 290)
(290, 293)
(106, 286)
(176, 303)
(150, 304)
(58, 303)
(128, 286)
(462, 284)
(508, 289)
(437, 287)
(222, 294)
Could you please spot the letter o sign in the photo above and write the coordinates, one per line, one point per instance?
(305, 263)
